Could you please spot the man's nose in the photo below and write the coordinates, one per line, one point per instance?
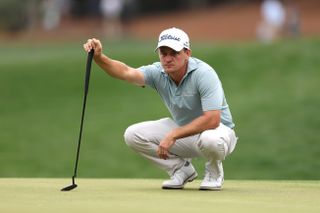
(167, 57)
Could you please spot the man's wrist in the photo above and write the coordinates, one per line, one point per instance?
(174, 134)
(99, 57)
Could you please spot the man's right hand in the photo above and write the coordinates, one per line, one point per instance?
(94, 44)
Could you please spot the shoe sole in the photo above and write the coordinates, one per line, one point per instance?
(205, 188)
(189, 179)
(208, 188)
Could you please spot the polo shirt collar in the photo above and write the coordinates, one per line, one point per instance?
(192, 65)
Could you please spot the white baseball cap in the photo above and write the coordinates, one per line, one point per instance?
(174, 38)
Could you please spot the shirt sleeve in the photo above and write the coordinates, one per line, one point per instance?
(150, 72)
(210, 89)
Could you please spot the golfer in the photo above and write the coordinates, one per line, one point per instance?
(201, 124)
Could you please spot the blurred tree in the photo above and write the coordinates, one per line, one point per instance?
(13, 15)
(147, 6)
(85, 8)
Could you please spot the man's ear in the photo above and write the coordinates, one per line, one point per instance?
(188, 52)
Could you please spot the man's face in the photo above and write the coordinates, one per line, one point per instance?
(173, 61)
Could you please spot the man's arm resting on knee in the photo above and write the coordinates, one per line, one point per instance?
(208, 120)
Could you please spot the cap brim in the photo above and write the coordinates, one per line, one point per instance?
(171, 44)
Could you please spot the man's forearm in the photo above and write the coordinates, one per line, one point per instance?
(211, 120)
(112, 67)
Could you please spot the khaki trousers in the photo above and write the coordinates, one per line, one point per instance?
(213, 144)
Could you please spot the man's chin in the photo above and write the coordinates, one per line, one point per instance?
(169, 69)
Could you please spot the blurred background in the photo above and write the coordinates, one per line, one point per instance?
(266, 53)
(203, 19)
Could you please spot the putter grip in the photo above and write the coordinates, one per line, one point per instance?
(88, 70)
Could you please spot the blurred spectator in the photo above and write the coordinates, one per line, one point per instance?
(52, 11)
(292, 20)
(273, 20)
(129, 12)
(111, 11)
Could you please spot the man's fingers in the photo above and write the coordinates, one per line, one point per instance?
(88, 45)
(165, 156)
(92, 43)
(95, 43)
(162, 153)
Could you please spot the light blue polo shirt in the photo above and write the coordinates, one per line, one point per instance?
(200, 90)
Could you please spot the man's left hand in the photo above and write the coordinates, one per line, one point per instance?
(164, 146)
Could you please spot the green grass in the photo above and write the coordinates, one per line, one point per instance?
(271, 89)
(145, 195)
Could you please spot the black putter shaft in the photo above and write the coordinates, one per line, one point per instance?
(86, 88)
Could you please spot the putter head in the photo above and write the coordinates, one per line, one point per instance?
(69, 188)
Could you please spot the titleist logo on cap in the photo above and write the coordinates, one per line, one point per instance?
(168, 36)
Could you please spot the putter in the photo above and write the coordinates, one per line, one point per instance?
(86, 87)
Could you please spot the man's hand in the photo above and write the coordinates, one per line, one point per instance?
(164, 146)
(94, 44)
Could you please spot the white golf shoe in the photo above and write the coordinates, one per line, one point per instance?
(214, 176)
(185, 174)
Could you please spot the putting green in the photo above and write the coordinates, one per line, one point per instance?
(145, 195)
